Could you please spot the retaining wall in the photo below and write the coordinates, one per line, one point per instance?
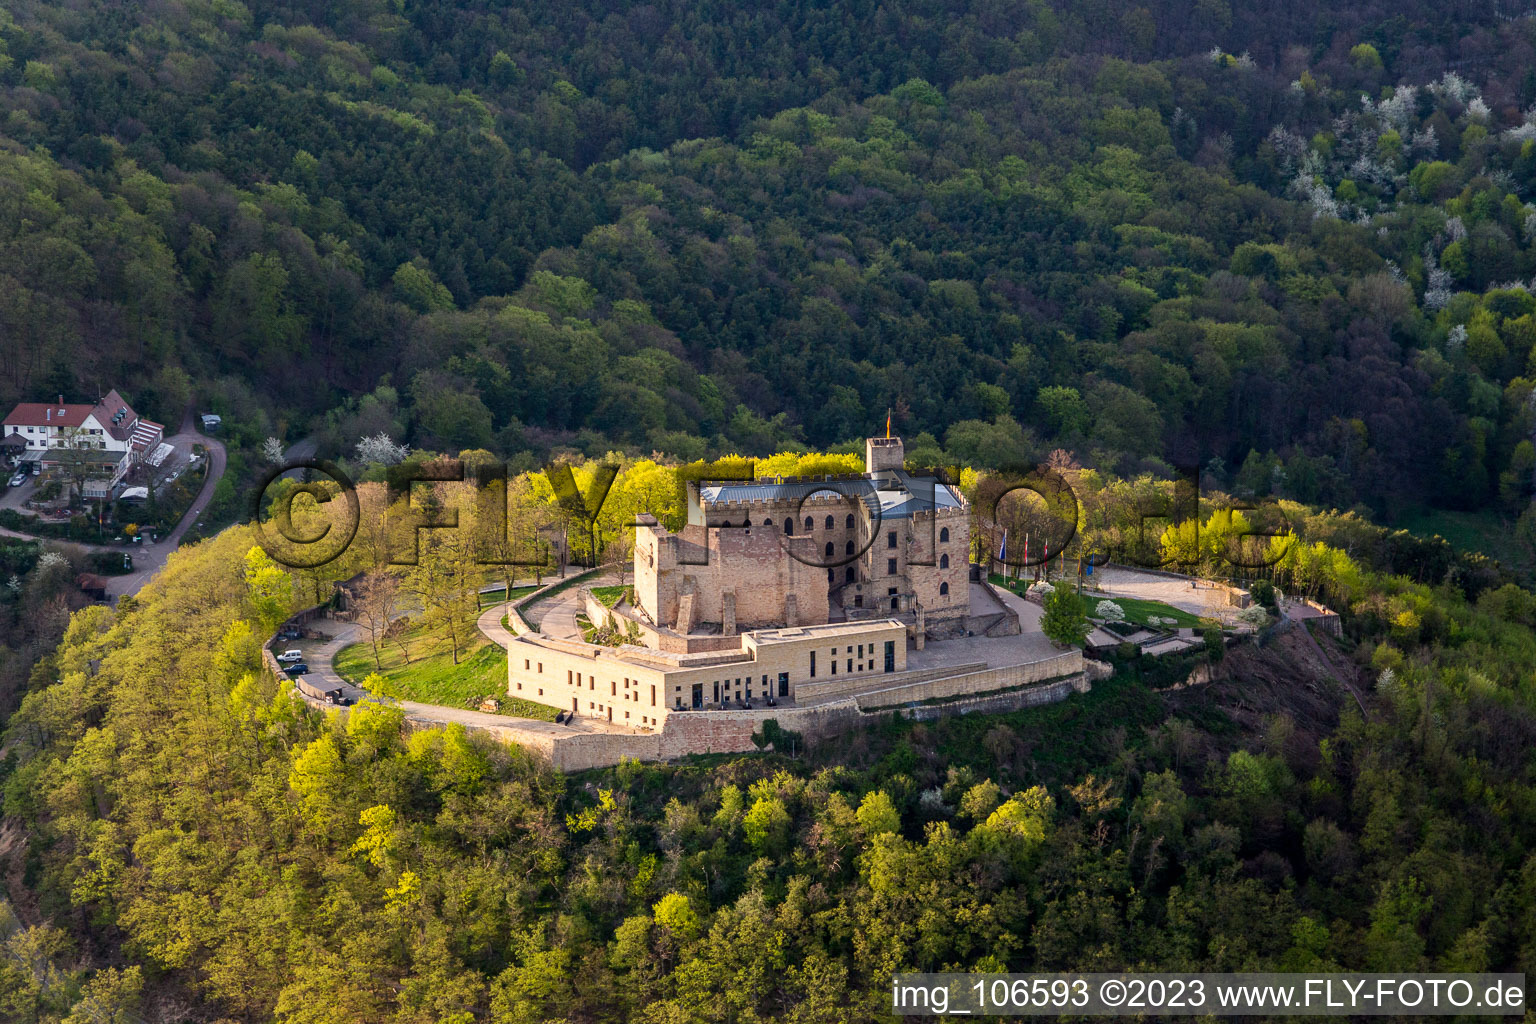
(983, 681)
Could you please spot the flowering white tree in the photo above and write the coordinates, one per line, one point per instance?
(1109, 611)
(381, 449)
(1454, 88)
(1437, 293)
(1254, 615)
(272, 451)
(51, 560)
(1311, 190)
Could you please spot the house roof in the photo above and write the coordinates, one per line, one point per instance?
(73, 414)
(15, 440)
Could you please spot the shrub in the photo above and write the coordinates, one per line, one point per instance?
(1109, 610)
(1263, 592)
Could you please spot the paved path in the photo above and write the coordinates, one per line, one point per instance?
(556, 617)
(1029, 645)
(489, 623)
(320, 656)
(149, 559)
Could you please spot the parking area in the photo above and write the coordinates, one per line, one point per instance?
(15, 497)
(317, 644)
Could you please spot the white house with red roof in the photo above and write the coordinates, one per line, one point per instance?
(115, 436)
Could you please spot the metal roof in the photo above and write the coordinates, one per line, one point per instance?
(899, 493)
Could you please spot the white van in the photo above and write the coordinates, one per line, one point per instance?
(292, 654)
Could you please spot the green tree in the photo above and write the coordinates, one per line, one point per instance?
(1064, 620)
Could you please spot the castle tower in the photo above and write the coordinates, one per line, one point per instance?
(882, 454)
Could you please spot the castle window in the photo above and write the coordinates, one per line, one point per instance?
(943, 589)
(789, 526)
(943, 561)
(849, 577)
(810, 524)
(849, 521)
(767, 522)
(944, 535)
(829, 549)
(830, 521)
(890, 567)
(890, 539)
(848, 548)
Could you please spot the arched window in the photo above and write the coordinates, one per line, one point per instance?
(849, 574)
(789, 526)
(849, 521)
(767, 522)
(943, 589)
(848, 548)
(831, 576)
(830, 521)
(810, 524)
(829, 549)
(944, 535)
(943, 561)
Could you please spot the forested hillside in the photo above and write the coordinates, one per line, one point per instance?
(186, 842)
(1296, 251)
(1151, 233)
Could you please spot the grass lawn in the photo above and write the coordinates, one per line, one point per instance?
(610, 596)
(1138, 611)
(435, 679)
(493, 597)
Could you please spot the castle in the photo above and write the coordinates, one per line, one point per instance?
(884, 544)
(803, 601)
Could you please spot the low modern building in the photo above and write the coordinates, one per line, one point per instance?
(640, 687)
(106, 434)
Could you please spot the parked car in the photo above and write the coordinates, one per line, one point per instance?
(300, 669)
(292, 654)
(19, 479)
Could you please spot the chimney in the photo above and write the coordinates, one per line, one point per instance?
(61, 402)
